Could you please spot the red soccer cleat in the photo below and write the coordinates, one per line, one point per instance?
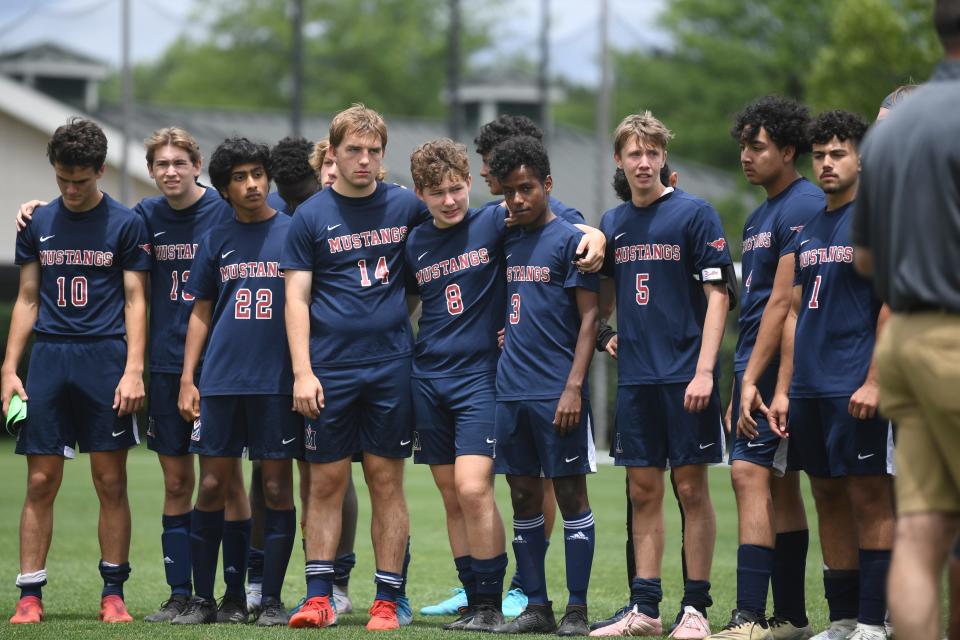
(29, 611)
(315, 613)
(383, 616)
(113, 609)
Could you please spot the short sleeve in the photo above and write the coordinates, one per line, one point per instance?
(567, 213)
(574, 277)
(26, 246)
(299, 248)
(710, 249)
(203, 270)
(135, 249)
(794, 215)
(796, 266)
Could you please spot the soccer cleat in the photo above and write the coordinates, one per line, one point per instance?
(300, 604)
(29, 611)
(744, 625)
(513, 603)
(486, 618)
(169, 609)
(383, 616)
(113, 609)
(693, 625)
(783, 629)
(536, 618)
(619, 613)
(574, 622)
(404, 612)
(466, 615)
(341, 600)
(198, 611)
(254, 597)
(868, 632)
(232, 610)
(634, 623)
(838, 630)
(272, 613)
(448, 607)
(315, 613)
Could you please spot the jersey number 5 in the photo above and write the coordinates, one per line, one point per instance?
(643, 291)
(244, 298)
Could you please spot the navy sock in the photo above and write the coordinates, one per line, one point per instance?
(696, 594)
(206, 531)
(578, 544)
(530, 550)
(388, 585)
(236, 543)
(31, 590)
(842, 591)
(31, 584)
(874, 565)
(255, 565)
(516, 582)
(342, 566)
(114, 575)
(488, 576)
(788, 581)
(646, 594)
(754, 568)
(468, 579)
(319, 578)
(403, 573)
(175, 544)
(279, 532)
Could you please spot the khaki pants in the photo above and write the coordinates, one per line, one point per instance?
(919, 369)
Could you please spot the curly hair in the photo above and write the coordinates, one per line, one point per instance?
(516, 152)
(290, 160)
(79, 143)
(433, 161)
(504, 128)
(233, 152)
(622, 188)
(842, 124)
(784, 119)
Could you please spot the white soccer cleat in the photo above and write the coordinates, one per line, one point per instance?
(838, 630)
(868, 632)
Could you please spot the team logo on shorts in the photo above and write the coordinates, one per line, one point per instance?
(310, 438)
(719, 244)
(493, 447)
(619, 447)
(150, 423)
(416, 441)
(195, 434)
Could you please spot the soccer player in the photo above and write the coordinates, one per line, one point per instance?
(244, 396)
(351, 344)
(82, 293)
(668, 263)
(323, 163)
(845, 447)
(772, 134)
(543, 407)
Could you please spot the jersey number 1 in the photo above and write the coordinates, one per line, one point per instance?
(381, 273)
(78, 291)
(815, 294)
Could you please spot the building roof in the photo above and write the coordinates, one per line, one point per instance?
(50, 59)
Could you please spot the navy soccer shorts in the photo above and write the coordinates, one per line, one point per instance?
(654, 430)
(833, 444)
(266, 425)
(454, 417)
(528, 444)
(167, 433)
(70, 385)
(767, 449)
(367, 408)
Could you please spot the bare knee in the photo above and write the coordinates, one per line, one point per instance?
(475, 495)
(213, 488)
(749, 479)
(278, 493)
(526, 495)
(646, 491)
(571, 492)
(178, 486)
(42, 486)
(828, 492)
(693, 493)
(111, 485)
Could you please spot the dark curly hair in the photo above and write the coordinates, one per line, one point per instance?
(522, 150)
(233, 152)
(290, 160)
(784, 119)
(622, 188)
(433, 161)
(842, 124)
(504, 128)
(79, 143)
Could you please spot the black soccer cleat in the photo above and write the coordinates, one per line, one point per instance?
(169, 609)
(233, 610)
(465, 616)
(606, 622)
(487, 618)
(574, 622)
(272, 613)
(198, 611)
(536, 618)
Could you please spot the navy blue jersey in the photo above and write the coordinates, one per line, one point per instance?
(768, 235)
(542, 319)
(82, 258)
(458, 272)
(354, 247)
(238, 267)
(175, 234)
(659, 257)
(275, 201)
(837, 323)
(559, 209)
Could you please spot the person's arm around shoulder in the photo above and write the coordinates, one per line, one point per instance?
(593, 247)
(25, 212)
(25, 311)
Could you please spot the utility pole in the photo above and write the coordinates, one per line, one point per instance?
(543, 75)
(126, 80)
(455, 118)
(296, 65)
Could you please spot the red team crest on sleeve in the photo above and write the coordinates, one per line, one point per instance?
(797, 229)
(719, 244)
(146, 248)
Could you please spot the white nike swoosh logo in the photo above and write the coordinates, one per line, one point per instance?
(285, 441)
(45, 238)
(750, 227)
(331, 228)
(570, 459)
(404, 443)
(491, 441)
(420, 257)
(864, 457)
(118, 433)
(617, 237)
(223, 256)
(706, 446)
(508, 255)
(755, 444)
(805, 242)
(158, 234)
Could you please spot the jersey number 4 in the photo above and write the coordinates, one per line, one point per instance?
(245, 298)
(381, 273)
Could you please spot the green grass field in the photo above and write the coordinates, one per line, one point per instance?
(72, 596)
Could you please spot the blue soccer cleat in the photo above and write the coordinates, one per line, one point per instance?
(514, 603)
(404, 612)
(449, 607)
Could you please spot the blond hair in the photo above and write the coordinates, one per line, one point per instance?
(357, 119)
(318, 154)
(645, 127)
(433, 161)
(173, 136)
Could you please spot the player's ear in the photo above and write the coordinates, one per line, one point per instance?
(617, 161)
(548, 183)
(469, 181)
